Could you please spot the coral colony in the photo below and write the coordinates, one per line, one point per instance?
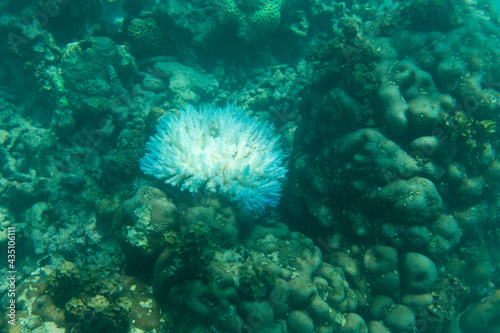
(220, 149)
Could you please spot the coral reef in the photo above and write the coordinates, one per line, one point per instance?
(254, 19)
(142, 223)
(95, 72)
(483, 315)
(262, 289)
(389, 214)
(87, 300)
(188, 86)
(145, 35)
(220, 220)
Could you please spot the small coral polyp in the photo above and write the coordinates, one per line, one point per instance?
(221, 150)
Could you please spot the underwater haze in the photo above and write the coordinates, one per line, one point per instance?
(249, 166)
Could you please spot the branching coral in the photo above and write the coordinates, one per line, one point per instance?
(222, 150)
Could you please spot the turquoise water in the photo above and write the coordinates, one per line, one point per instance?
(259, 166)
(496, 4)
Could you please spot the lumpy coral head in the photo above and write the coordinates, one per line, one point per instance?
(221, 150)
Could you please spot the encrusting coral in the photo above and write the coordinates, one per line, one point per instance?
(220, 149)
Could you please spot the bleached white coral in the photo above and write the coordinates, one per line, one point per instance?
(220, 149)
